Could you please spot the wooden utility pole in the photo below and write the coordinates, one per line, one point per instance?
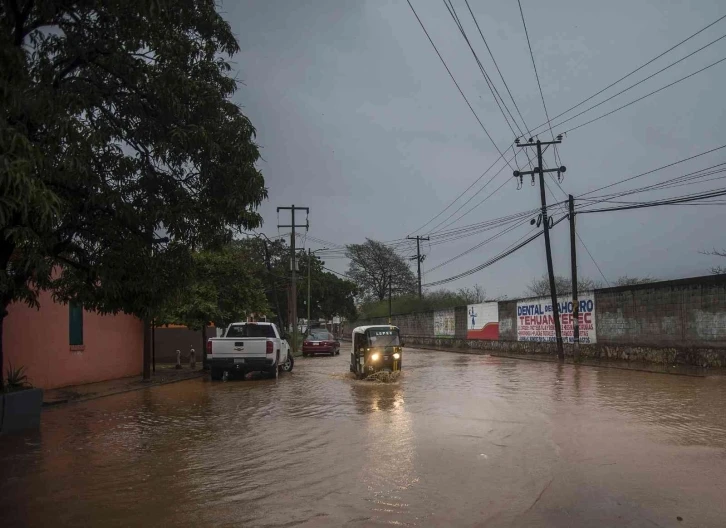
(310, 265)
(418, 258)
(293, 266)
(545, 221)
(390, 304)
(573, 265)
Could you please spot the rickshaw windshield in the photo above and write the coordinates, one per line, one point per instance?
(384, 337)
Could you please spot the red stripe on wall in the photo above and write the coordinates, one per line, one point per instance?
(490, 331)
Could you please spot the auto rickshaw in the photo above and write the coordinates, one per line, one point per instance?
(376, 348)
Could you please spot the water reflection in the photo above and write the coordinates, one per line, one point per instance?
(318, 448)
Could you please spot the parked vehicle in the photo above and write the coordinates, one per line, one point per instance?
(376, 348)
(320, 341)
(249, 347)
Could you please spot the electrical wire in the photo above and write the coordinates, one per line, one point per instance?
(492, 88)
(476, 22)
(560, 123)
(492, 260)
(454, 79)
(643, 97)
(634, 71)
(539, 85)
(652, 171)
(569, 109)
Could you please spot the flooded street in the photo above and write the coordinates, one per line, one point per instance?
(458, 440)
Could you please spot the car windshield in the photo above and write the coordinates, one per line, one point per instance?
(383, 337)
(250, 330)
(321, 336)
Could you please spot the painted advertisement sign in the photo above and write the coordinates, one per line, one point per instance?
(535, 321)
(444, 323)
(482, 321)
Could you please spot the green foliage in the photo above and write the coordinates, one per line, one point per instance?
(16, 380)
(436, 300)
(116, 128)
(330, 294)
(374, 267)
(222, 289)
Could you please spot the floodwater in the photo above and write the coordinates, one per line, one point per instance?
(457, 440)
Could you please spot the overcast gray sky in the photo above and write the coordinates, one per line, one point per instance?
(358, 120)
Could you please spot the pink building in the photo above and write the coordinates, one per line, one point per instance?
(63, 344)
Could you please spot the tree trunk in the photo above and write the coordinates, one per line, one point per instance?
(3, 313)
(205, 366)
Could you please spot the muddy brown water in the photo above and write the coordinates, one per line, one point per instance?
(457, 440)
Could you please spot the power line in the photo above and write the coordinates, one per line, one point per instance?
(497, 66)
(640, 82)
(539, 85)
(569, 109)
(652, 171)
(634, 71)
(492, 88)
(645, 96)
(492, 260)
(454, 79)
(529, 160)
(678, 181)
(479, 245)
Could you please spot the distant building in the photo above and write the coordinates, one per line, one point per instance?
(64, 344)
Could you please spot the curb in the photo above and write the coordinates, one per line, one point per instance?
(485, 352)
(55, 403)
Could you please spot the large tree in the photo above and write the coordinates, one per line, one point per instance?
(337, 297)
(222, 289)
(375, 266)
(116, 125)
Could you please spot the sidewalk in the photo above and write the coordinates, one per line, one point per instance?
(164, 374)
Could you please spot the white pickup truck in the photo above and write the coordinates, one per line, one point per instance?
(248, 347)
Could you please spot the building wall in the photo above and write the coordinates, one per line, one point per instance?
(168, 340)
(39, 340)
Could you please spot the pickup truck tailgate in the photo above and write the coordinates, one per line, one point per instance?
(239, 347)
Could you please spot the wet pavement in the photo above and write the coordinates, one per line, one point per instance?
(457, 440)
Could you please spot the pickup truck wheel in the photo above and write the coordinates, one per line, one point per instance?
(216, 374)
(288, 364)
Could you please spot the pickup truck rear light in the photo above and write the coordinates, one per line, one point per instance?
(270, 347)
(209, 347)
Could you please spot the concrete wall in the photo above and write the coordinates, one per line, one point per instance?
(508, 320)
(681, 322)
(39, 340)
(680, 313)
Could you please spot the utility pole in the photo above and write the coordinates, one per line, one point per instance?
(545, 221)
(310, 266)
(418, 258)
(390, 289)
(575, 300)
(293, 265)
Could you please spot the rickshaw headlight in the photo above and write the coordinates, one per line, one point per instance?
(375, 356)
(396, 356)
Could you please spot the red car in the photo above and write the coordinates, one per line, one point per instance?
(320, 342)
